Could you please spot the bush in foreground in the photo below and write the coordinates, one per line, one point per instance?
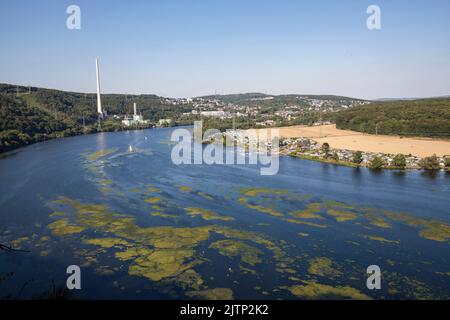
(357, 157)
(376, 163)
(430, 163)
(399, 161)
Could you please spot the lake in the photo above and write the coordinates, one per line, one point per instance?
(140, 227)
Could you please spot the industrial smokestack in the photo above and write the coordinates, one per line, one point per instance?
(99, 100)
(135, 112)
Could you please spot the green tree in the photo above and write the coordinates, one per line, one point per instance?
(11, 139)
(325, 149)
(430, 163)
(357, 157)
(447, 162)
(376, 163)
(399, 161)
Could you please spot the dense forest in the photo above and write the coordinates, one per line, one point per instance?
(424, 117)
(29, 114)
(76, 105)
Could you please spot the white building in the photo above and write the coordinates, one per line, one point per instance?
(163, 122)
(218, 113)
(136, 119)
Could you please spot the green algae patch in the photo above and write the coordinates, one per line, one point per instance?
(212, 294)
(337, 204)
(17, 243)
(280, 257)
(205, 196)
(63, 228)
(436, 231)
(311, 212)
(381, 239)
(44, 253)
(233, 248)
(104, 271)
(253, 192)
(189, 279)
(342, 216)
(246, 270)
(162, 263)
(108, 242)
(133, 252)
(260, 208)
(377, 221)
(57, 214)
(153, 200)
(163, 254)
(429, 229)
(164, 215)
(409, 287)
(153, 189)
(266, 210)
(340, 211)
(170, 249)
(314, 290)
(99, 154)
(206, 214)
(184, 188)
(307, 223)
(263, 224)
(105, 182)
(324, 267)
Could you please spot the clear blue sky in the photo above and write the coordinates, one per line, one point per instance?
(195, 47)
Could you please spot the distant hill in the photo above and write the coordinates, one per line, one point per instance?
(422, 117)
(409, 98)
(75, 105)
(279, 101)
(236, 98)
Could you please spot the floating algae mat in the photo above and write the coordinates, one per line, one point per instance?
(140, 227)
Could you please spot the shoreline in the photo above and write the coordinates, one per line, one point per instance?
(354, 165)
(357, 141)
(50, 138)
(310, 148)
(286, 150)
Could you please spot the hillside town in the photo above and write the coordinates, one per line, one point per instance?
(265, 109)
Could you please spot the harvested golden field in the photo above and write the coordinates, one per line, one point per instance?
(352, 140)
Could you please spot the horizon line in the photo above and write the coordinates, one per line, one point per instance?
(233, 93)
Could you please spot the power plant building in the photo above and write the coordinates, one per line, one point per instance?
(136, 119)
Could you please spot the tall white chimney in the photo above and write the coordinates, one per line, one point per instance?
(99, 100)
(135, 113)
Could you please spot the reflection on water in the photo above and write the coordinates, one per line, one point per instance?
(141, 227)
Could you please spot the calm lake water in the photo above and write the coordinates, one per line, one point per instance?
(141, 227)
